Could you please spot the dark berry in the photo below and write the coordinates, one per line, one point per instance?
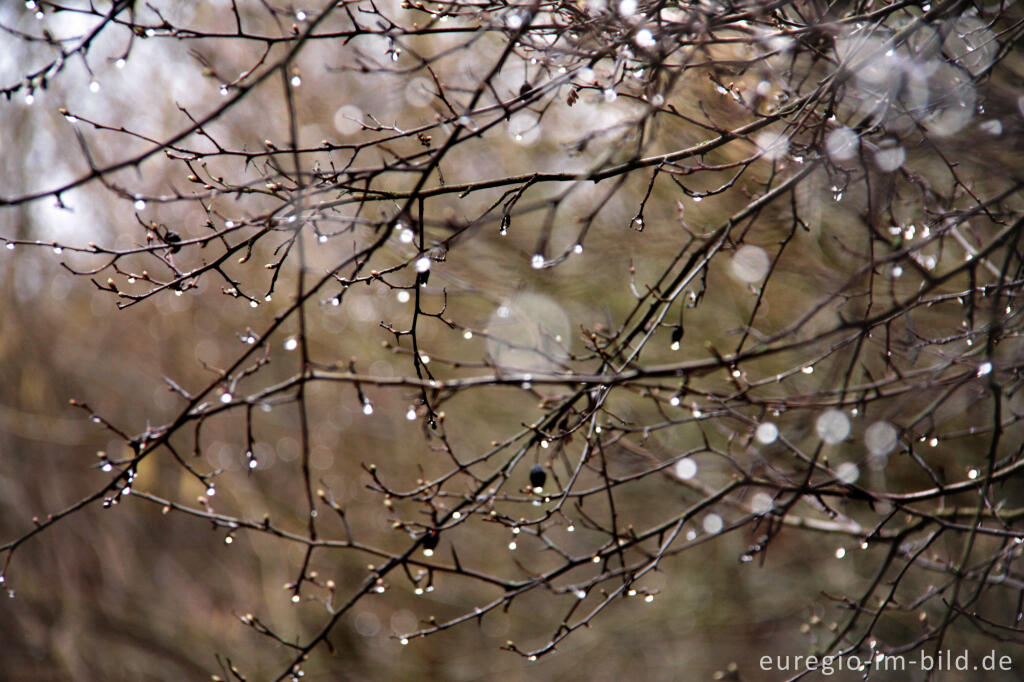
(173, 238)
(538, 476)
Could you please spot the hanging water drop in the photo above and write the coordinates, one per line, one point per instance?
(537, 478)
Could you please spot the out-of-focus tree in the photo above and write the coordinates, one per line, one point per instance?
(671, 335)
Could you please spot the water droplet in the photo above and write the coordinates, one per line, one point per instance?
(419, 92)
(225, 397)
(971, 44)
(841, 144)
(889, 159)
(94, 86)
(880, 438)
(291, 343)
(984, 368)
(10, 246)
(686, 468)
(807, 370)
(761, 503)
(253, 463)
(524, 128)
(423, 264)
(537, 262)
(674, 401)
(406, 236)
(766, 433)
(140, 204)
(750, 263)
(848, 472)
(627, 8)
(300, 16)
(773, 145)
(348, 119)
(712, 523)
(367, 408)
(410, 414)
(512, 546)
(610, 95)
(578, 249)
(467, 335)
(296, 81)
(402, 296)
(296, 599)
(107, 467)
(832, 426)
(840, 552)
(644, 38)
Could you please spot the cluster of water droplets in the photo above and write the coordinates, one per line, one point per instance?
(929, 81)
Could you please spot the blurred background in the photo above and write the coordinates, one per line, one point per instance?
(904, 152)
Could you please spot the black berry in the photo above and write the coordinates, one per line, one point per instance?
(538, 476)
